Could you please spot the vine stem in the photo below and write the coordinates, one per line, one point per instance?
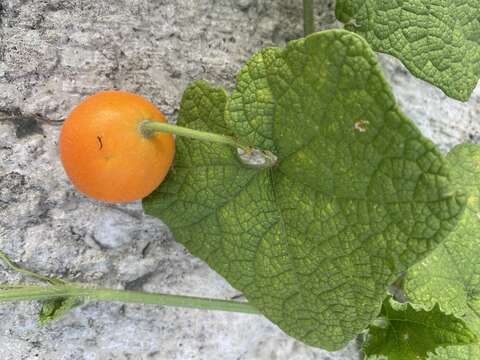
(38, 292)
(61, 289)
(308, 21)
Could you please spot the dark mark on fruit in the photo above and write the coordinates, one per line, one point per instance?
(100, 143)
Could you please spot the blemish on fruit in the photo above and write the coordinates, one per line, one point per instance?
(100, 143)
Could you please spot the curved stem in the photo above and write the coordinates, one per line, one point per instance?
(148, 128)
(308, 21)
(15, 267)
(34, 292)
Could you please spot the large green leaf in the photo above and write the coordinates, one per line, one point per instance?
(437, 40)
(358, 195)
(450, 276)
(412, 332)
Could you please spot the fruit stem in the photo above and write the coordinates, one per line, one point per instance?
(38, 292)
(250, 157)
(308, 21)
(148, 128)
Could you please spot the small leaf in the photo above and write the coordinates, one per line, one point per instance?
(314, 241)
(411, 332)
(55, 308)
(450, 276)
(438, 41)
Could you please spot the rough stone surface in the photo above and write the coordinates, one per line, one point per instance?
(52, 54)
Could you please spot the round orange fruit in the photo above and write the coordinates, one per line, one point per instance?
(104, 153)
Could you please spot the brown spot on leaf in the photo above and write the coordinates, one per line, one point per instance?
(361, 125)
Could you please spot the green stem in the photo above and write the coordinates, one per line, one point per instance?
(62, 289)
(34, 292)
(308, 22)
(148, 128)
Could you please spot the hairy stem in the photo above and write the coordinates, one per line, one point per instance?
(308, 22)
(35, 292)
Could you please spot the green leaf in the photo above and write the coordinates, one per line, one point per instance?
(438, 41)
(54, 309)
(357, 195)
(411, 332)
(456, 353)
(450, 276)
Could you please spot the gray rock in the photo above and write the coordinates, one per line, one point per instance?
(54, 53)
(244, 4)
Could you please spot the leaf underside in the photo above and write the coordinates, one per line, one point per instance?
(450, 276)
(358, 195)
(438, 41)
(412, 332)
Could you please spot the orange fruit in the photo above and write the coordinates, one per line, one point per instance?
(104, 153)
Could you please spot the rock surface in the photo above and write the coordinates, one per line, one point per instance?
(52, 54)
